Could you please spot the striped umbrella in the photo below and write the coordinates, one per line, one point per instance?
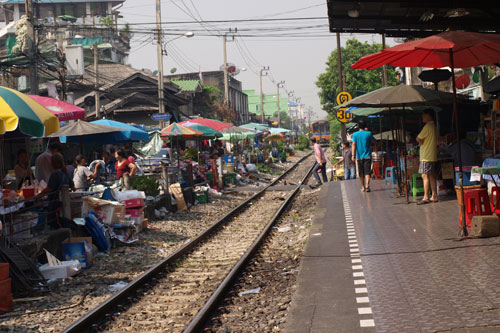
(178, 131)
(18, 111)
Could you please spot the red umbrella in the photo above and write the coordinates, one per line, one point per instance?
(62, 110)
(454, 49)
(215, 124)
(468, 48)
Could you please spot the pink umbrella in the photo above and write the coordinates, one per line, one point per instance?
(62, 110)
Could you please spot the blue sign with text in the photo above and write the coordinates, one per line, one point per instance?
(161, 116)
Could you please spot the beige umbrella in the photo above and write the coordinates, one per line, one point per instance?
(83, 128)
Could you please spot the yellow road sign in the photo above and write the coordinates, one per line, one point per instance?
(343, 115)
(343, 97)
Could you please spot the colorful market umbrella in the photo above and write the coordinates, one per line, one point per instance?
(277, 130)
(19, 112)
(454, 49)
(274, 138)
(129, 134)
(208, 132)
(255, 126)
(237, 133)
(212, 123)
(176, 130)
(62, 110)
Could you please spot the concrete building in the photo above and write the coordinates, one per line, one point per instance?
(270, 104)
(238, 100)
(70, 22)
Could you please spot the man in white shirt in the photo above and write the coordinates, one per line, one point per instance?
(43, 168)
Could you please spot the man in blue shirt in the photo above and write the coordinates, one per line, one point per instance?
(361, 154)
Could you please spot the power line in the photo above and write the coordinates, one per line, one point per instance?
(313, 18)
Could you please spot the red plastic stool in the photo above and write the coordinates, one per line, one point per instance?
(495, 199)
(477, 203)
(377, 172)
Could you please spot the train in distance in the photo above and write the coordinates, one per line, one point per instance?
(321, 131)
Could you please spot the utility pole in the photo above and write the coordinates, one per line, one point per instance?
(384, 68)
(32, 45)
(278, 86)
(96, 82)
(263, 69)
(159, 49)
(226, 76)
(343, 131)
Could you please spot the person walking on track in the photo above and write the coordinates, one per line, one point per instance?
(320, 163)
(361, 154)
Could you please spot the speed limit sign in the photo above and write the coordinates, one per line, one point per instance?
(343, 115)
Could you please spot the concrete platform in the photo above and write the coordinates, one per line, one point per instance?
(375, 264)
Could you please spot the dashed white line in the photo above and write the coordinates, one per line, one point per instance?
(363, 311)
(357, 267)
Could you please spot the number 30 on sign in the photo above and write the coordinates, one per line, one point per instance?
(344, 116)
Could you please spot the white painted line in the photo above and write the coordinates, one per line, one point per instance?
(352, 241)
(359, 282)
(361, 290)
(362, 300)
(358, 274)
(356, 261)
(355, 254)
(317, 234)
(354, 245)
(354, 250)
(351, 233)
(350, 230)
(356, 267)
(367, 323)
(351, 237)
(363, 311)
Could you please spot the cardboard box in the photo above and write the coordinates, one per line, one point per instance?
(78, 248)
(110, 212)
(447, 171)
(66, 269)
(134, 203)
(135, 212)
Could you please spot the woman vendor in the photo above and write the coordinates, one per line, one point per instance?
(22, 168)
(123, 167)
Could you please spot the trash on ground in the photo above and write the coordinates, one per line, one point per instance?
(117, 286)
(249, 291)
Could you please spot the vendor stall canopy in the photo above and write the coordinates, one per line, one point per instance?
(413, 18)
(20, 112)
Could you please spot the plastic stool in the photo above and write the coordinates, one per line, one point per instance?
(377, 172)
(495, 194)
(390, 175)
(476, 203)
(415, 190)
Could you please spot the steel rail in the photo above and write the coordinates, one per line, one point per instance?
(84, 323)
(197, 323)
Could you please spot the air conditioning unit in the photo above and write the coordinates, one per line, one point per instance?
(75, 66)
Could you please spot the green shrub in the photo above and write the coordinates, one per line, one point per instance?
(149, 185)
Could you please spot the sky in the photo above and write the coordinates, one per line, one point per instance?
(295, 51)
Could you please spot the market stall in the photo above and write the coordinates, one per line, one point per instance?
(454, 49)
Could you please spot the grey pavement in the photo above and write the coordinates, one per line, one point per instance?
(419, 276)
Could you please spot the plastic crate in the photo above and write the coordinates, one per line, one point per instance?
(229, 178)
(201, 196)
(210, 176)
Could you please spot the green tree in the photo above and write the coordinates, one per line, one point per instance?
(285, 119)
(356, 81)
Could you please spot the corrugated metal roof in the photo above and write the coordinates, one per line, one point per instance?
(59, 1)
(187, 85)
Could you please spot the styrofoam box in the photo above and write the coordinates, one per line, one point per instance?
(66, 269)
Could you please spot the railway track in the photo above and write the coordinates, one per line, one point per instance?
(181, 291)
